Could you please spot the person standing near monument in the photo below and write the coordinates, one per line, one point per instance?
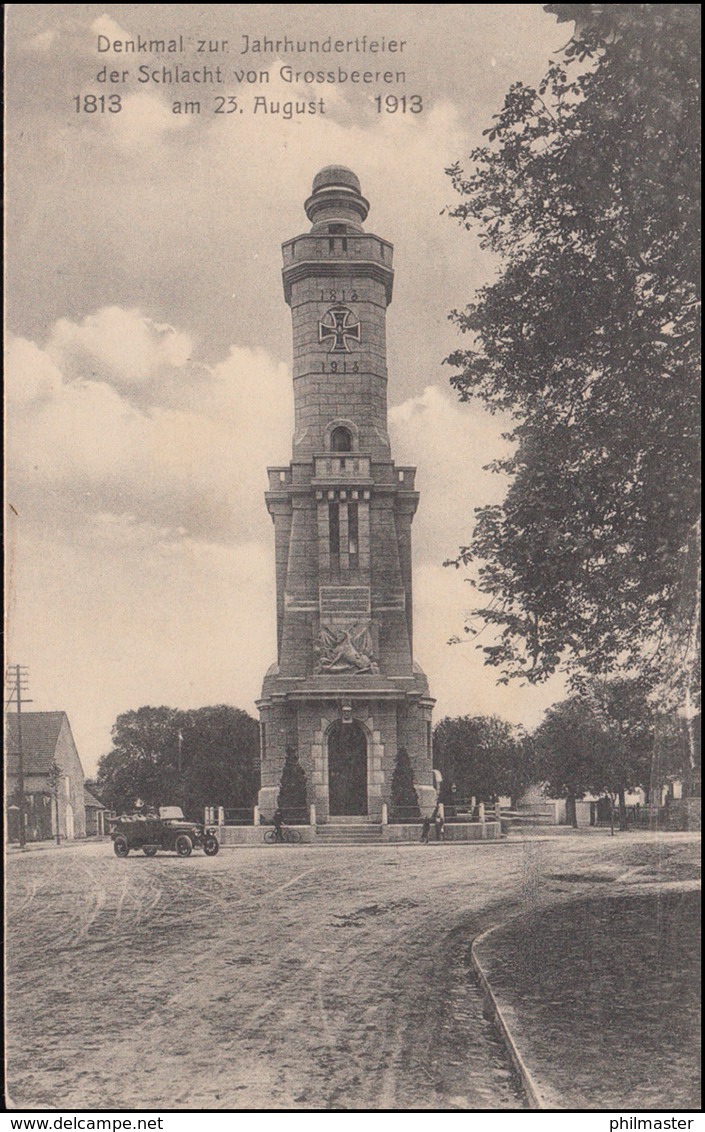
(439, 822)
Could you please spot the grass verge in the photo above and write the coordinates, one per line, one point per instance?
(604, 997)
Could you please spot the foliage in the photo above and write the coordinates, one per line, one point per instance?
(292, 788)
(586, 191)
(677, 752)
(482, 757)
(598, 742)
(569, 746)
(161, 756)
(404, 796)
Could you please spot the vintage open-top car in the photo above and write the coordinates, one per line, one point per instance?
(165, 828)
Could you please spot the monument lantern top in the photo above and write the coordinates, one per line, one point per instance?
(336, 175)
(336, 198)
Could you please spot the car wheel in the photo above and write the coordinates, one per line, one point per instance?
(210, 846)
(150, 850)
(120, 847)
(183, 845)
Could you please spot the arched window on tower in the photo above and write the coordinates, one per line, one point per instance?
(341, 439)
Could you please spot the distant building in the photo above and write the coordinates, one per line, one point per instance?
(96, 815)
(47, 743)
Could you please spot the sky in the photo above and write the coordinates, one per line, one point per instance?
(148, 344)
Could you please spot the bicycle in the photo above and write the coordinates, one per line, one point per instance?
(288, 836)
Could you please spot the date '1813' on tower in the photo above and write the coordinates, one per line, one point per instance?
(345, 694)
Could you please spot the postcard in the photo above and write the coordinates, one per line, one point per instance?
(351, 573)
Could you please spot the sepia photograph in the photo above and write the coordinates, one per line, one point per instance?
(352, 560)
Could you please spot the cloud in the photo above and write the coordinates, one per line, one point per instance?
(450, 443)
(43, 42)
(30, 374)
(145, 121)
(192, 458)
(122, 344)
(106, 25)
(189, 216)
(141, 551)
(144, 557)
(143, 544)
(459, 678)
(126, 614)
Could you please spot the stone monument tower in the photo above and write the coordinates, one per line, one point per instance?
(345, 694)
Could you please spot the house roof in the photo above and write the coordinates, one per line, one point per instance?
(40, 734)
(91, 800)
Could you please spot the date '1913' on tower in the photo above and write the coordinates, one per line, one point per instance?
(345, 694)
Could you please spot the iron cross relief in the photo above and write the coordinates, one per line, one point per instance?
(340, 326)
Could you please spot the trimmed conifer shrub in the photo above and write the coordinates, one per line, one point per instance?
(292, 787)
(405, 800)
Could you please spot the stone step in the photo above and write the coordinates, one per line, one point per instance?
(349, 831)
(352, 819)
(346, 837)
(348, 834)
(349, 825)
(321, 841)
(530, 819)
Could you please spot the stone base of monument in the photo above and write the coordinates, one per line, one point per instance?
(455, 831)
(367, 833)
(254, 835)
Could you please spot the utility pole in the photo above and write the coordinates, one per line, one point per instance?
(180, 769)
(17, 676)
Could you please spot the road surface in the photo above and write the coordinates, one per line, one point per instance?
(282, 977)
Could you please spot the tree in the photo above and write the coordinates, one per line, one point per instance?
(586, 191)
(292, 788)
(480, 756)
(161, 756)
(598, 742)
(676, 754)
(220, 754)
(566, 747)
(140, 765)
(405, 800)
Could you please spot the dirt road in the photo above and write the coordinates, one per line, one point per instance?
(281, 977)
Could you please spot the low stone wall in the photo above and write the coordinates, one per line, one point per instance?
(454, 831)
(550, 812)
(254, 834)
(229, 835)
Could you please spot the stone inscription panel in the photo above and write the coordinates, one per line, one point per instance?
(344, 602)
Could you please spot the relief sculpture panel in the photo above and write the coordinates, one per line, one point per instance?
(341, 648)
